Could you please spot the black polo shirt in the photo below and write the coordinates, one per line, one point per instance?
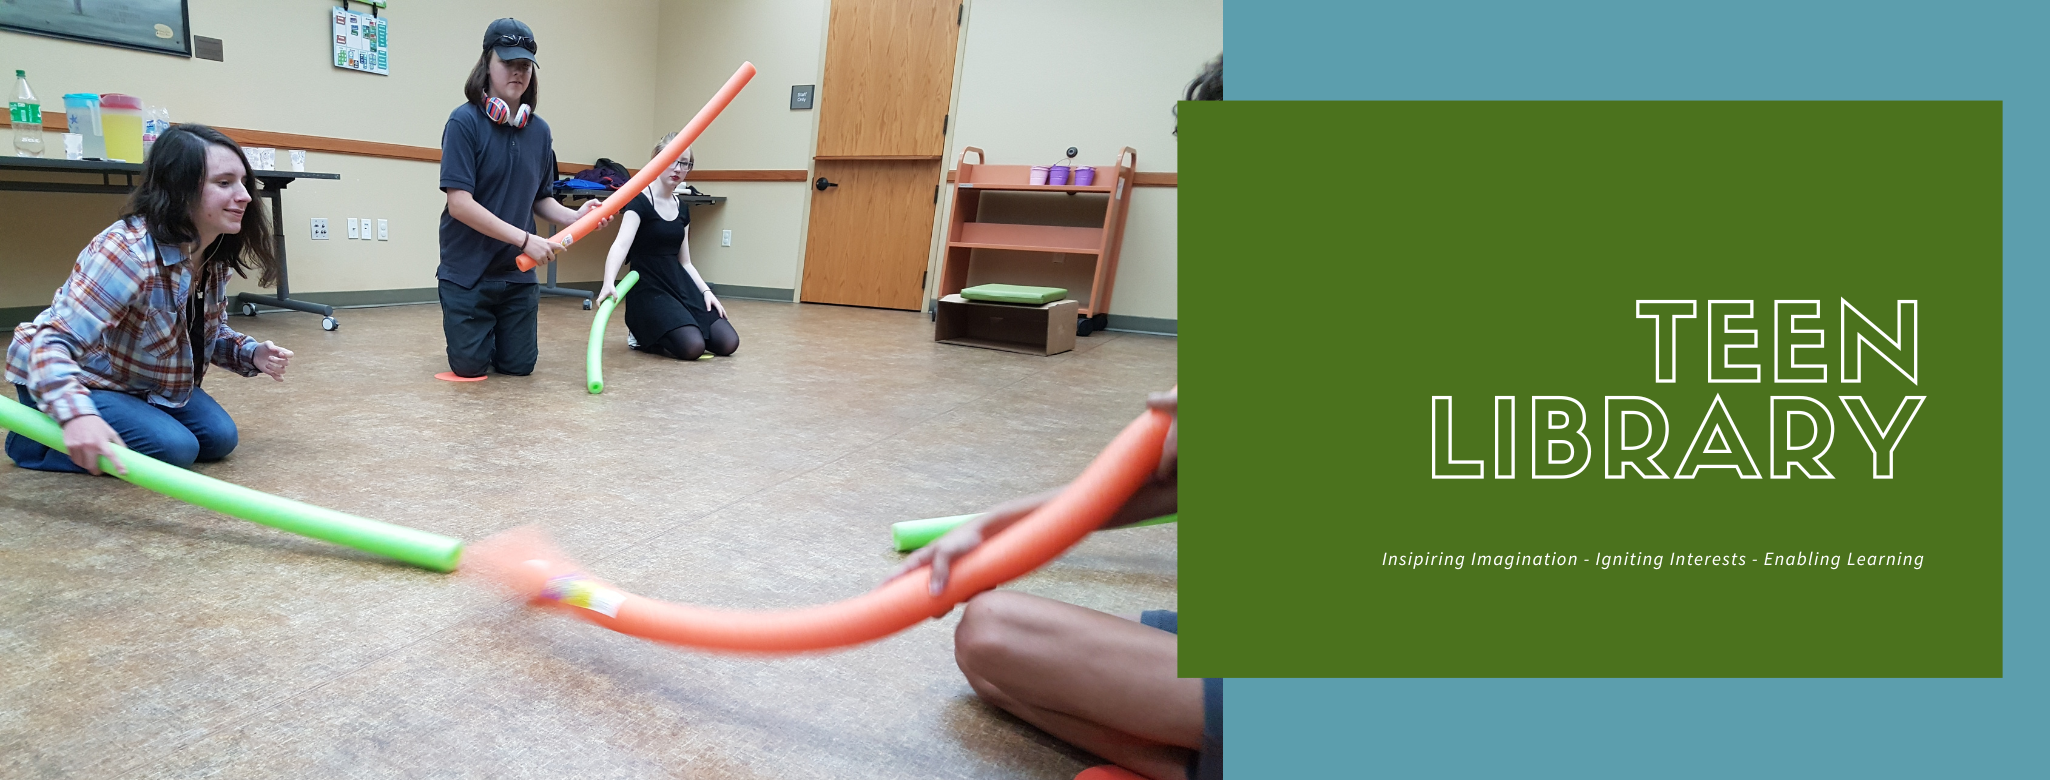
(506, 169)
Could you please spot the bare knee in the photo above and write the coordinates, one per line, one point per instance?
(985, 643)
(989, 629)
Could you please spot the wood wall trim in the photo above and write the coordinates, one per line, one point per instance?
(913, 157)
(58, 122)
(1139, 178)
(798, 175)
(318, 143)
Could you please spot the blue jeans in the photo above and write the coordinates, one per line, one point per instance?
(199, 431)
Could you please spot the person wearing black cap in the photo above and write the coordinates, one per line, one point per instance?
(497, 162)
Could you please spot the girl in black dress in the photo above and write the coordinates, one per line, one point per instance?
(671, 311)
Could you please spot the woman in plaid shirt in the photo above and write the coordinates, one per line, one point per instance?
(119, 355)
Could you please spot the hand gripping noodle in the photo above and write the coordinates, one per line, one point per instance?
(594, 358)
(640, 181)
(523, 561)
(420, 548)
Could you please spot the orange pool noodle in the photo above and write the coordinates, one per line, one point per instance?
(523, 561)
(1109, 772)
(640, 181)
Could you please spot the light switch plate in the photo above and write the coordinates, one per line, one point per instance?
(366, 229)
(354, 228)
(383, 230)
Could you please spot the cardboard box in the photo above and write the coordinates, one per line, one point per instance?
(1048, 329)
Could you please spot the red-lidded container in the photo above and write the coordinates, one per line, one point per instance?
(121, 119)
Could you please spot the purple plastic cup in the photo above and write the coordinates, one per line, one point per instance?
(1085, 176)
(1057, 175)
(1038, 174)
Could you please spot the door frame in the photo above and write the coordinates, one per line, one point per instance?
(934, 252)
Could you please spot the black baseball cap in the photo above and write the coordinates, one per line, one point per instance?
(512, 39)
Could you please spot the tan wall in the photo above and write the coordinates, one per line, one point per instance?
(767, 220)
(700, 44)
(1039, 76)
(1114, 70)
(277, 76)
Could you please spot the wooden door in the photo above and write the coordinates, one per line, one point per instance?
(882, 103)
(870, 233)
(889, 74)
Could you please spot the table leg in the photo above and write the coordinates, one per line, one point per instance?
(551, 289)
(274, 190)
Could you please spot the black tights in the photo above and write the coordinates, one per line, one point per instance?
(687, 343)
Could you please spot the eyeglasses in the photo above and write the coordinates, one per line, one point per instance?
(684, 164)
(520, 41)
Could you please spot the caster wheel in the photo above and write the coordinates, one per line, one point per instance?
(329, 323)
(248, 310)
(1085, 326)
(587, 304)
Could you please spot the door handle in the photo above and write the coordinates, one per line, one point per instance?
(822, 184)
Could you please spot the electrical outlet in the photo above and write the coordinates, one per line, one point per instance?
(320, 228)
(383, 230)
(366, 229)
(354, 228)
(726, 238)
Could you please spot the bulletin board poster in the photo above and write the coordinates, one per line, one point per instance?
(362, 42)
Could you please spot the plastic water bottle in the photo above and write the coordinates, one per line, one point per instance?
(155, 120)
(26, 112)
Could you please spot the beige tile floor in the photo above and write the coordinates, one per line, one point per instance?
(141, 637)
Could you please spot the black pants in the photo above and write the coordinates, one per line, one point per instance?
(491, 326)
(687, 343)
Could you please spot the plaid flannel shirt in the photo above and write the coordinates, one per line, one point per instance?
(119, 323)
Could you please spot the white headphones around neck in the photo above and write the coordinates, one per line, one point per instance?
(504, 114)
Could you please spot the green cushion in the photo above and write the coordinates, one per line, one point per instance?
(1014, 293)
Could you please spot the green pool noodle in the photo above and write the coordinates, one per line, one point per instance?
(594, 355)
(420, 548)
(913, 534)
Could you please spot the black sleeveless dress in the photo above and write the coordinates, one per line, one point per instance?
(665, 298)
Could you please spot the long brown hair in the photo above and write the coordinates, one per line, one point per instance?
(171, 180)
(478, 87)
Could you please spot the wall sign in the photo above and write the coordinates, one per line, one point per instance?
(361, 42)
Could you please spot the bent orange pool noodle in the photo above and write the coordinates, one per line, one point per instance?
(640, 181)
(521, 560)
